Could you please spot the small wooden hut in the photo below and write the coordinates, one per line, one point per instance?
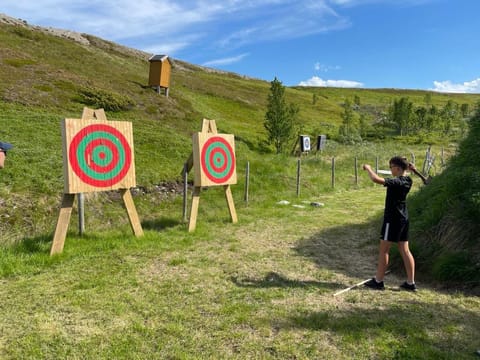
(160, 69)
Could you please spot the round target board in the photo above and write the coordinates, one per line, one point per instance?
(216, 157)
(100, 156)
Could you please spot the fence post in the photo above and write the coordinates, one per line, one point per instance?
(356, 170)
(333, 172)
(81, 214)
(247, 181)
(298, 177)
(185, 190)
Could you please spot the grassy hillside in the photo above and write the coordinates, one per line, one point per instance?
(46, 78)
(447, 213)
(262, 288)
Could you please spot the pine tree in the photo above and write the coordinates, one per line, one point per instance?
(280, 117)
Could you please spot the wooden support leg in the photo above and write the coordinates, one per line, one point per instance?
(194, 210)
(230, 203)
(62, 224)
(132, 212)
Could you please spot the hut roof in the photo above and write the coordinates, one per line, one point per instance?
(160, 58)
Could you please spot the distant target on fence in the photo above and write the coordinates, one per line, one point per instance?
(305, 144)
(98, 155)
(215, 156)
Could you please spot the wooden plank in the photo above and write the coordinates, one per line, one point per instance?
(194, 209)
(221, 141)
(205, 125)
(100, 114)
(62, 224)
(197, 167)
(212, 127)
(88, 113)
(230, 203)
(132, 212)
(74, 131)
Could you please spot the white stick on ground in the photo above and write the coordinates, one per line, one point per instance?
(354, 286)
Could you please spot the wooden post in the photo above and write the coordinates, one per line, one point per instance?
(194, 209)
(298, 177)
(231, 204)
(247, 181)
(131, 212)
(62, 224)
(81, 213)
(333, 172)
(356, 170)
(185, 191)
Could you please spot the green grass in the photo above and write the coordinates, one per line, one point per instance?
(262, 288)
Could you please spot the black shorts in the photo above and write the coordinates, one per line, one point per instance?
(394, 232)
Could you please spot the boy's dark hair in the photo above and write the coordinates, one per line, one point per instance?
(400, 162)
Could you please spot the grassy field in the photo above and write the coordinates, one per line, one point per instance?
(262, 288)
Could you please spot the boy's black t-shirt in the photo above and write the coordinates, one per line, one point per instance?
(395, 201)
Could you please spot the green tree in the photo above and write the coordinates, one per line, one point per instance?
(356, 100)
(348, 131)
(450, 114)
(400, 113)
(465, 110)
(280, 117)
(428, 99)
(421, 117)
(364, 125)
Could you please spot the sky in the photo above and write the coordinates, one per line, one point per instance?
(402, 44)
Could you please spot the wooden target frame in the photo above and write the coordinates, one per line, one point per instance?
(97, 156)
(214, 163)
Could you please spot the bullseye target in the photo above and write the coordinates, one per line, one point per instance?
(215, 156)
(100, 155)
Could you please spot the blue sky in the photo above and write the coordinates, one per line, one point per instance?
(409, 44)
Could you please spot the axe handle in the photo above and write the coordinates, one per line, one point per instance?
(418, 173)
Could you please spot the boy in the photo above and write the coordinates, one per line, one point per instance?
(395, 222)
(4, 147)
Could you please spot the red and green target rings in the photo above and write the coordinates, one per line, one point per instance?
(100, 155)
(218, 160)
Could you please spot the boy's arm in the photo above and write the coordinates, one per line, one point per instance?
(412, 167)
(375, 178)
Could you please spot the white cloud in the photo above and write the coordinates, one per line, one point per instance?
(229, 23)
(316, 81)
(287, 20)
(225, 61)
(466, 87)
(325, 68)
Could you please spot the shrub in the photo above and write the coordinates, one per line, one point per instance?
(456, 266)
(107, 100)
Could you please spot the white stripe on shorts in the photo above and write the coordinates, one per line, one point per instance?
(387, 227)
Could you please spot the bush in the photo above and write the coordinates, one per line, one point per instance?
(455, 267)
(107, 100)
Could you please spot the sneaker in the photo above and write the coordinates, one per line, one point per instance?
(408, 287)
(373, 284)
